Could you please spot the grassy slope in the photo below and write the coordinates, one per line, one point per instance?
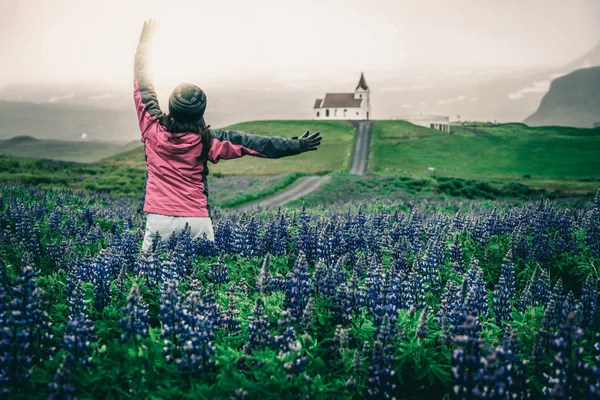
(79, 151)
(334, 153)
(554, 157)
(227, 191)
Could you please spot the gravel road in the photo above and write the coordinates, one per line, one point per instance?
(360, 154)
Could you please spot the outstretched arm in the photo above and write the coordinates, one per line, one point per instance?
(146, 101)
(227, 145)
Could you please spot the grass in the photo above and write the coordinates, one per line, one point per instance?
(343, 188)
(333, 154)
(225, 191)
(79, 151)
(542, 157)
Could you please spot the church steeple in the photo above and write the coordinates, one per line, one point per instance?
(362, 84)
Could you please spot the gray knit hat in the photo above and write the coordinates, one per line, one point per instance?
(187, 102)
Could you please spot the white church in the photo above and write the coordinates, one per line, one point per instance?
(345, 106)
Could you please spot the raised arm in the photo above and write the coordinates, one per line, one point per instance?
(146, 101)
(227, 145)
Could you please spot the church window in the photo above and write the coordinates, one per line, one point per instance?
(345, 112)
(360, 96)
(335, 112)
(357, 113)
(317, 113)
(327, 113)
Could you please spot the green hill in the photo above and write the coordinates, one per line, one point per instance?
(573, 100)
(333, 155)
(80, 151)
(550, 157)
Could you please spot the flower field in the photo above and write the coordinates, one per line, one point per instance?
(420, 300)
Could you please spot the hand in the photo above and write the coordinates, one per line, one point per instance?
(148, 31)
(309, 143)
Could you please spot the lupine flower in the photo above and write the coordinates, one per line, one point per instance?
(229, 319)
(352, 383)
(135, 321)
(80, 329)
(567, 369)
(589, 302)
(422, 327)
(217, 273)
(258, 329)
(593, 387)
(62, 388)
(502, 306)
(537, 290)
(382, 380)
(467, 360)
(263, 281)
(456, 256)
(299, 288)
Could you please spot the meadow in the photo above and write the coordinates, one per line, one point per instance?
(555, 158)
(333, 155)
(411, 299)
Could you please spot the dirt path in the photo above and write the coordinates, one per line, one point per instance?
(360, 154)
(308, 184)
(298, 189)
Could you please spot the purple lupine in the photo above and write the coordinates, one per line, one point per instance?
(101, 274)
(350, 299)
(467, 360)
(80, 329)
(502, 307)
(196, 347)
(263, 281)
(173, 320)
(357, 372)
(456, 256)
(413, 293)
(230, 315)
(537, 290)
(429, 264)
(567, 371)
(593, 384)
(589, 302)
(217, 273)
(258, 329)
(422, 326)
(475, 283)
(26, 333)
(305, 239)
(306, 321)
(135, 321)
(62, 388)
(381, 383)
(299, 288)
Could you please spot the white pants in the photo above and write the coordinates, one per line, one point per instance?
(166, 225)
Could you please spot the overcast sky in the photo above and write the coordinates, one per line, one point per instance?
(94, 41)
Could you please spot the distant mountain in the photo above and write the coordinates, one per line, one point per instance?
(573, 100)
(80, 151)
(67, 122)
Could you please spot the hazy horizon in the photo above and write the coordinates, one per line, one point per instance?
(68, 41)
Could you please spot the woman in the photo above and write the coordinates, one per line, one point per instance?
(178, 146)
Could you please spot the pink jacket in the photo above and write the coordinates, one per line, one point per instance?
(176, 182)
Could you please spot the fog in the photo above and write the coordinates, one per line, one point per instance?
(224, 42)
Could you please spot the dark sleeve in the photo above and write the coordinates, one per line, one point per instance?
(146, 101)
(227, 145)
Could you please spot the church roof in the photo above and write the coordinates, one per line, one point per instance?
(318, 103)
(362, 83)
(338, 100)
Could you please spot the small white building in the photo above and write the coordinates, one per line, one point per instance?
(344, 106)
(439, 122)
